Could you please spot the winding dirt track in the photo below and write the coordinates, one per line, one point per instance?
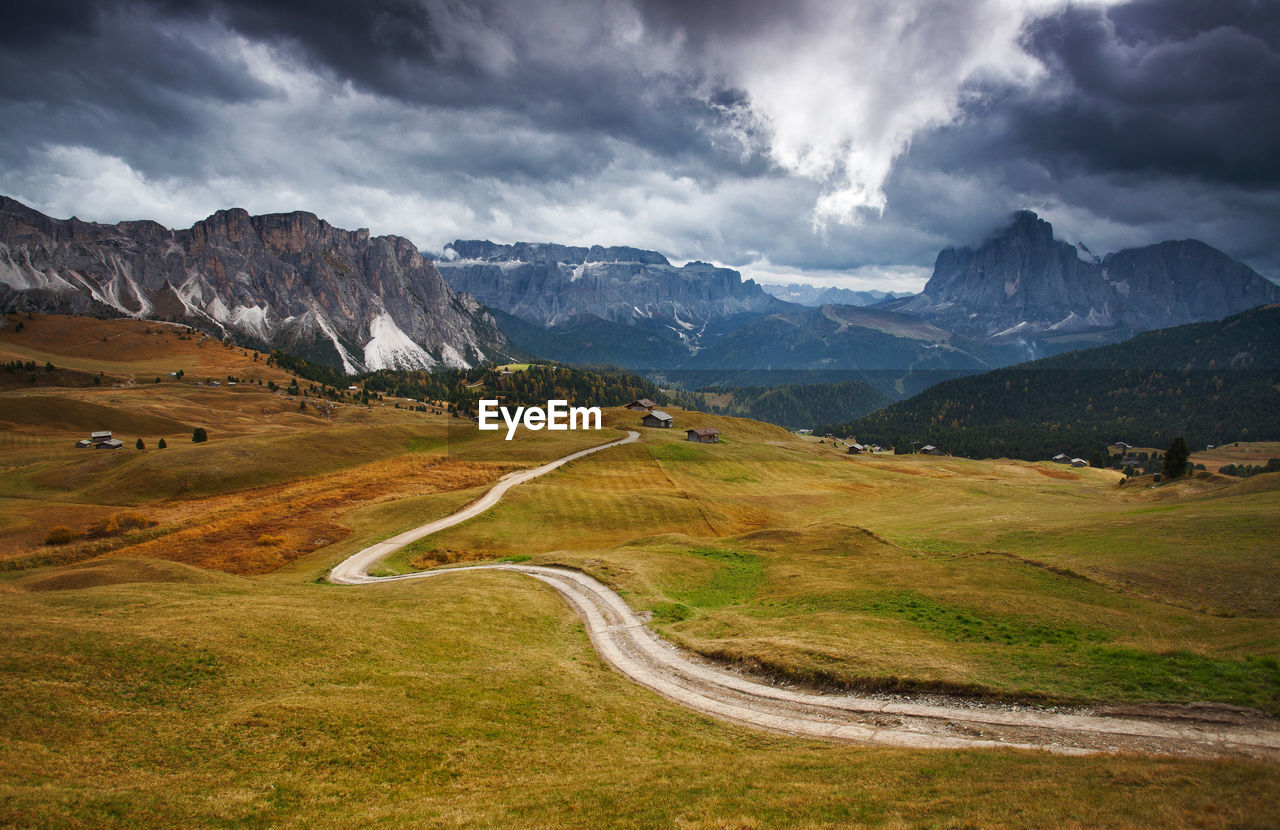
(624, 641)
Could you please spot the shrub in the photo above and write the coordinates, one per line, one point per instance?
(117, 525)
(104, 528)
(269, 540)
(140, 445)
(199, 435)
(161, 445)
(59, 535)
(133, 521)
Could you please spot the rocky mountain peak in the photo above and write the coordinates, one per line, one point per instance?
(1023, 283)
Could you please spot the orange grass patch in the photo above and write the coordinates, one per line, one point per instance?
(259, 530)
(140, 349)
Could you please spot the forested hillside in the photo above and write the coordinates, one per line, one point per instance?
(792, 405)
(1210, 382)
(461, 389)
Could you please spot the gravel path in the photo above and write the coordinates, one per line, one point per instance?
(624, 641)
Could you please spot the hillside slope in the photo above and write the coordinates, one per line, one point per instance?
(1209, 382)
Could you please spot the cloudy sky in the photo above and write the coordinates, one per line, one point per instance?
(830, 141)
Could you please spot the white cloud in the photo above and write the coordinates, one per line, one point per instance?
(841, 87)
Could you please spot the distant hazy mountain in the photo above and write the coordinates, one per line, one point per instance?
(816, 296)
(286, 280)
(1022, 285)
(897, 353)
(552, 285)
(1209, 382)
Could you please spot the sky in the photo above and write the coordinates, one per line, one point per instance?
(836, 142)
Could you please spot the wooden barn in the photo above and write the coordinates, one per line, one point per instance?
(703, 435)
(657, 418)
(641, 405)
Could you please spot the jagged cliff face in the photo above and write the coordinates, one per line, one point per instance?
(553, 284)
(1022, 283)
(288, 280)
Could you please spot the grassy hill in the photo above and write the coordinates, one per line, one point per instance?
(1212, 383)
(196, 669)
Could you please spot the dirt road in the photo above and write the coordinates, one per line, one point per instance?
(624, 641)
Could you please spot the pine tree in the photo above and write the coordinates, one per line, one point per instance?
(1175, 458)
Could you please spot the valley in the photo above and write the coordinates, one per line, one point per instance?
(202, 665)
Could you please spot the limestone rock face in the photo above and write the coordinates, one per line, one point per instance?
(550, 284)
(291, 279)
(1023, 283)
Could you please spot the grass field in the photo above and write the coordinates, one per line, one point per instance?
(196, 698)
(196, 669)
(890, 572)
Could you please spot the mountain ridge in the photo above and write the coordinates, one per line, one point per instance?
(550, 284)
(1021, 284)
(287, 280)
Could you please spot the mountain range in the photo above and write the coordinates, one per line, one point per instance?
(359, 302)
(817, 296)
(288, 280)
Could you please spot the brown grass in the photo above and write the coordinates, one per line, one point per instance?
(1256, 452)
(138, 349)
(259, 530)
(1062, 475)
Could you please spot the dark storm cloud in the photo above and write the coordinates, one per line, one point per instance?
(1187, 89)
(111, 81)
(137, 61)
(1153, 120)
(656, 122)
(489, 54)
